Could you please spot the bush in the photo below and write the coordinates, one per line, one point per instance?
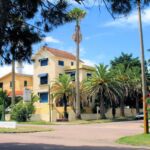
(3, 103)
(22, 112)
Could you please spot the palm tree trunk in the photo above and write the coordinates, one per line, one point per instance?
(78, 111)
(137, 102)
(65, 107)
(113, 110)
(137, 106)
(102, 107)
(122, 113)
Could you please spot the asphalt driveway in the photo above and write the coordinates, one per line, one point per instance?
(74, 137)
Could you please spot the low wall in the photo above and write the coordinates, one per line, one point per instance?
(128, 112)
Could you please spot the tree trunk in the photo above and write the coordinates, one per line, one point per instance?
(137, 104)
(65, 107)
(122, 113)
(113, 111)
(78, 111)
(13, 83)
(102, 107)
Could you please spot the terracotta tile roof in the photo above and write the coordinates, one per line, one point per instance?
(18, 93)
(60, 53)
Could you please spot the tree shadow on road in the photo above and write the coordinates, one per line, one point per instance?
(30, 146)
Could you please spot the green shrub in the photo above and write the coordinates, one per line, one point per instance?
(148, 100)
(22, 112)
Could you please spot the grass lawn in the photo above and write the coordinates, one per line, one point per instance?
(78, 121)
(25, 129)
(66, 123)
(136, 140)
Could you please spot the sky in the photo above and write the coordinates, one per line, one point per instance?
(103, 38)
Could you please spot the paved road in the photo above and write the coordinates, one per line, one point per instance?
(74, 137)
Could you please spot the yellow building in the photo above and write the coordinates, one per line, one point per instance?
(49, 63)
(21, 81)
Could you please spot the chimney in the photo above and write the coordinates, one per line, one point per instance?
(19, 67)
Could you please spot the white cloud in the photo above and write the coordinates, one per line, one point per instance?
(27, 69)
(131, 20)
(89, 62)
(50, 39)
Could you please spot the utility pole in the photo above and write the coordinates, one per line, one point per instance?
(144, 88)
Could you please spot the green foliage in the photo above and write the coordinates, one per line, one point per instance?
(62, 88)
(148, 100)
(103, 86)
(136, 140)
(18, 32)
(77, 14)
(127, 60)
(1, 109)
(3, 103)
(22, 111)
(62, 85)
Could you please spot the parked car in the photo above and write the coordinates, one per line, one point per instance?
(139, 116)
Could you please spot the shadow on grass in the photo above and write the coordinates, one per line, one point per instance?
(30, 146)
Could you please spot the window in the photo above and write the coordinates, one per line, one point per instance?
(10, 84)
(89, 75)
(43, 97)
(44, 62)
(25, 83)
(72, 63)
(61, 63)
(1, 85)
(72, 75)
(43, 78)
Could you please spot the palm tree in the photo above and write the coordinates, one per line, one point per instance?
(103, 85)
(122, 75)
(135, 81)
(62, 89)
(77, 14)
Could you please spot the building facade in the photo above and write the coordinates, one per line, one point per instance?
(49, 64)
(21, 81)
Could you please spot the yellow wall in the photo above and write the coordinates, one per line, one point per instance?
(50, 69)
(53, 70)
(19, 82)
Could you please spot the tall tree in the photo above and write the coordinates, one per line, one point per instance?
(77, 14)
(18, 32)
(127, 60)
(135, 86)
(121, 75)
(102, 85)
